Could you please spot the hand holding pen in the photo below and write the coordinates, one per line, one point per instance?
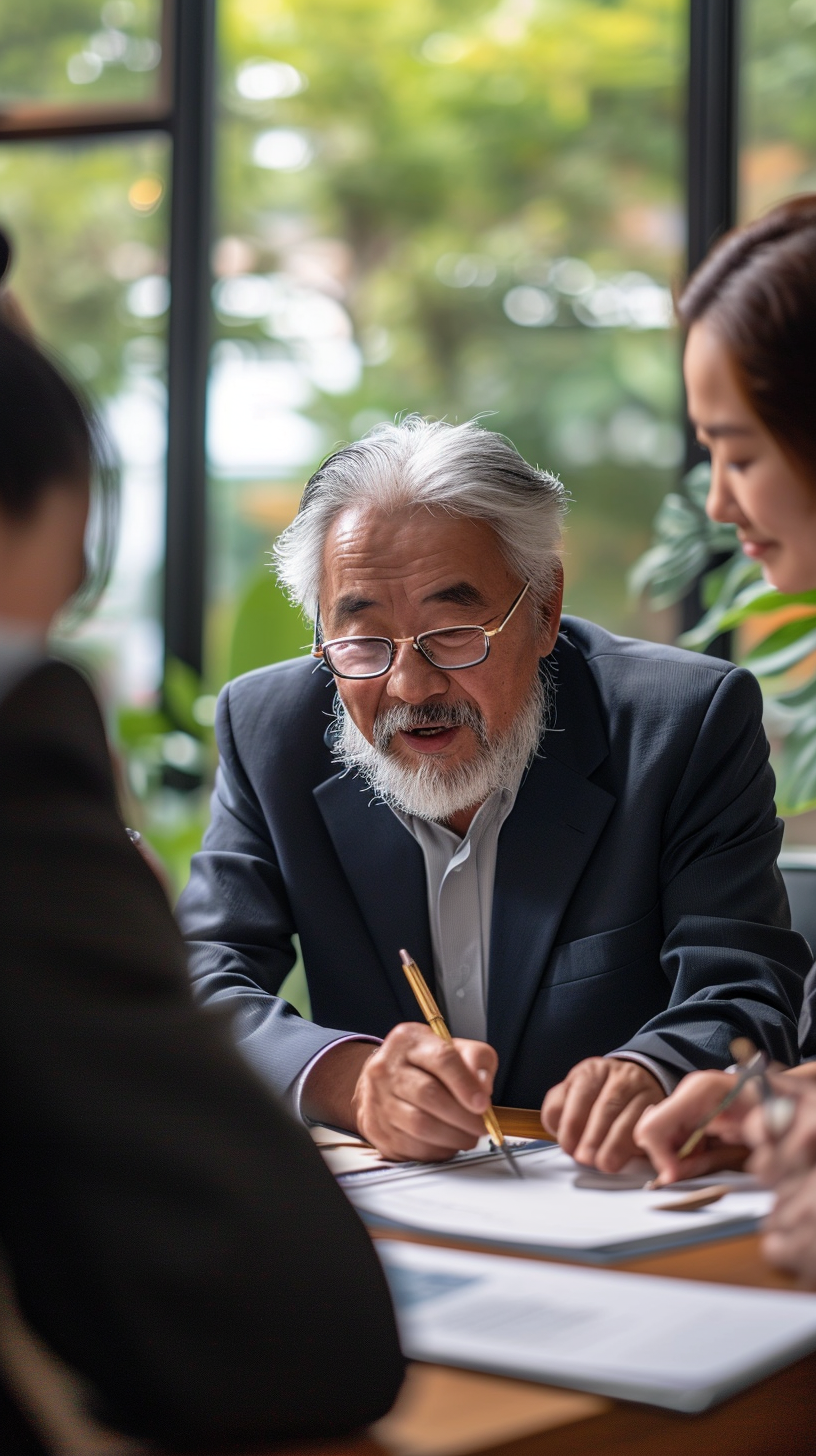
(699, 1129)
(438, 1025)
(419, 1098)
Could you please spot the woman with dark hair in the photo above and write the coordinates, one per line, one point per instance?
(750, 313)
(175, 1260)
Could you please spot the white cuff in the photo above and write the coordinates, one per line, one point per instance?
(295, 1094)
(668, 1080)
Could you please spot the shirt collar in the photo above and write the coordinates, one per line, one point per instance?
(492, 813)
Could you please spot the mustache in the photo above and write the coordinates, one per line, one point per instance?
(403, 718)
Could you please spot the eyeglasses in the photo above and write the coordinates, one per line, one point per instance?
(450, 648)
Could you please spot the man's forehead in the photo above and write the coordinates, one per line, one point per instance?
(429, 557)
(381, 541)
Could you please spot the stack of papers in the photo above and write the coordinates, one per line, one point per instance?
(556, 1208)
(669, 1342)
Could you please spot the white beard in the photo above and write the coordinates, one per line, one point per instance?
(431, 790)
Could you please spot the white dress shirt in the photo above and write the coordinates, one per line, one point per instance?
(460, 875)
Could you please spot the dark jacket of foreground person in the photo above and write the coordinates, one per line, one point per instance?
(171, 1234)
(637, 904)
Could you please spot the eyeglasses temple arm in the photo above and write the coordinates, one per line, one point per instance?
(317, 650)
(517, 603)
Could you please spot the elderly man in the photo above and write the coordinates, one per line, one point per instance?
(573, 833)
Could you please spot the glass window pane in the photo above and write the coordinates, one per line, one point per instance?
(455, 210)
(89, 228)
(778, 117)
(79, 50)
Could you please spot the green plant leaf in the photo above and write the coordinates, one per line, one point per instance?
(677, 520)
(667, 572)
(799, 699)
(267, 627)
(796, 772)
(738, 572)
(697, 483)
(783, 648)
(181, 688)
(137, 726)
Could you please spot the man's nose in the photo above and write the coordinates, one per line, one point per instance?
(413, 679)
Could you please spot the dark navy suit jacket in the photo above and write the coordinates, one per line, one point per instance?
(637, 902)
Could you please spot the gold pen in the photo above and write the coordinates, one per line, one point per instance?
(438, 1025)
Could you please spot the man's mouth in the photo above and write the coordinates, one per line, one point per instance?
(430, 738)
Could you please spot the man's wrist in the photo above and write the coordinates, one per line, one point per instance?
(327, 1094)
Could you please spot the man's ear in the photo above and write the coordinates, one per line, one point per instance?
(551, 613)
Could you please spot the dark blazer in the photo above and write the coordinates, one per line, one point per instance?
(173, 1235)
(637, 902)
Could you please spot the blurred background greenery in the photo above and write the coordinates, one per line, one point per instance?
(459, 207)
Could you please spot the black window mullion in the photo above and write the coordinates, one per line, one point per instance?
(712, 139)
(189, 333)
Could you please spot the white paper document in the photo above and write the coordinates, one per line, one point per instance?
(557, 1207)
(668, 1342)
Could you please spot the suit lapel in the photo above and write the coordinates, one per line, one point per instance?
(385, 868)
(544, 846)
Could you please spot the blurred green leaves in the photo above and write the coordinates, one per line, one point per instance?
(684, 543)
(267, 628)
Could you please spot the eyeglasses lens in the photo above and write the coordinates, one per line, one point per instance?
(455, 646)
(359, 656)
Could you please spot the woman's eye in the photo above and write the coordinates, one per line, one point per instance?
(739, 465)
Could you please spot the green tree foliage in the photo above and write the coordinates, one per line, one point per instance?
(458, 151)
(79, 50)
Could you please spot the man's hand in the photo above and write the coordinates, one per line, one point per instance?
(662, 1130)
(593, 1112)
(412, 1097)
(419, 1097)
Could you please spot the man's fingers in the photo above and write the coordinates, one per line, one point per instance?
(418, 1134)
(481, 1059)
(618, 1146)
(415, 1095)
(444, 1061)
(424, 1091)
(611, 1105)
(552, 1108)
(582, 1088)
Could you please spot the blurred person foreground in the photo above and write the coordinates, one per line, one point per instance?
(178, 1266)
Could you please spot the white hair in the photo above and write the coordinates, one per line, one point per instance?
(464, 470)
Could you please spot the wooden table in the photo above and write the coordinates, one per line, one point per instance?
(444, 1412)
(449, 1413)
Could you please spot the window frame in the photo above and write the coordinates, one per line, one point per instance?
(183, 108)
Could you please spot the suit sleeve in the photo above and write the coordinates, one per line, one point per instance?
(236, 917)
(173, 1235)
(734, 965)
